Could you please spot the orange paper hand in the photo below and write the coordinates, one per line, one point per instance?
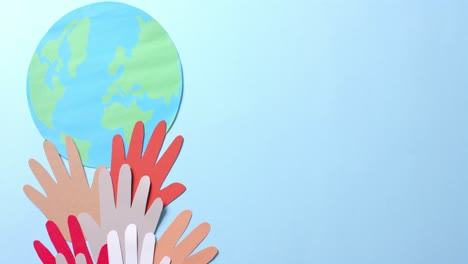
(147, 164)
(179, 253)
(70, 195)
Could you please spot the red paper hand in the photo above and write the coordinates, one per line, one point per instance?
(80, 249)
(147, 164)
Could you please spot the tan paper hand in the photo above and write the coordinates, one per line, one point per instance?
(118, 214)
(71, 194)
(179, 253)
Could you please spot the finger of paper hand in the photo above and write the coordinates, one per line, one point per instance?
(169, 238)
(177, 228)
(42, 176)
(204, 256)
(88, 224)
(43, 253)
(113, 244)
(140, 198)
(147, 250)
(171, 192)
(106, 194)
(93, 232)
(37, 198)
(95, 184)
(60, 259)
(103, 256)
(124, 193)
(81, 259)
(118, 155)
(56, 163)
(77, 238)
(136, 142)
(164, 165)
(58, 240)
(155, 144)
(165, 260)
(190, 242)
(74, 161)
(131, 248)
(153, 215)
(173, 150)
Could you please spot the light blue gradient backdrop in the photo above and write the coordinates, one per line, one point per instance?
(315, 131)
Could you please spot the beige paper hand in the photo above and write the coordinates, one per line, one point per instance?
(179, 253)
(70, 195)
(117, 215)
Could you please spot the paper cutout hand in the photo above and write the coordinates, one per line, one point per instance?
(131, 247)
(79, 259)
(117, 216)
(70, 195)
(165, 260)
(80, 254)
(146, 165)
(179, 253)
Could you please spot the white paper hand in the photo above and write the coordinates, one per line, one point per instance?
(131, 247)
(165, 260)
(118, 215)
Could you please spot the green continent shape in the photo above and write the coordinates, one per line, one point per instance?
(78, 40)
(83, 147)
(153, 66)
(51, 49)
(43, 98)
(118, 116)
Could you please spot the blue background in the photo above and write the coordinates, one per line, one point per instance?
(315, 131)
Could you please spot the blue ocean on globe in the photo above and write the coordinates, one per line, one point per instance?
(99, 70)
